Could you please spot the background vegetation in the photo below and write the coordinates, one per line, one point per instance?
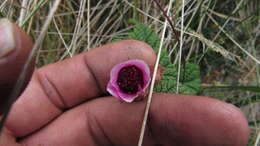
(220, 52)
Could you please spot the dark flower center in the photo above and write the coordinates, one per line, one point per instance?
(130, 79)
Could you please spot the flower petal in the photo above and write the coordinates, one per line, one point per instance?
(112, 90)
(113, 87)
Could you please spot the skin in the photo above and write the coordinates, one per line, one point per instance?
(11, 64)
(64, 105)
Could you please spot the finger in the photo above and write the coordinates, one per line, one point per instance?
(173, 120)
(15, 47)
(6, 139)
(65, 84)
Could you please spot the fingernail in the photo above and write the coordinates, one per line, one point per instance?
(7, 42)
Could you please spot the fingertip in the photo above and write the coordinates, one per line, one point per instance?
(136, 44)
(15, 43)
(202, 120)
(7, 39)
(15, 47)
(235, 121)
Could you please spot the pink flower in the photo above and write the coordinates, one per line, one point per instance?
(128, 80)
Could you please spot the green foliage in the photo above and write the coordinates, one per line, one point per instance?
(236, 100)
(190, 82)
(2, 15)
(240, 102)
(143, 33)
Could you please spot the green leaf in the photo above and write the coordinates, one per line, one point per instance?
(164, 59)
(168, 81)
(143, 33)
(117, 39)
(190, 84)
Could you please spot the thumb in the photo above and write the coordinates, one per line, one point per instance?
(15, 47)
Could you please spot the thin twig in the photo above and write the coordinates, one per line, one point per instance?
(21, 80)
(149, 101)
(88, 22)
(168, 19)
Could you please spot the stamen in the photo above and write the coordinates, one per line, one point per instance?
(130, 79)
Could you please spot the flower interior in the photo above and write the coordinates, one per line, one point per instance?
(130, 79)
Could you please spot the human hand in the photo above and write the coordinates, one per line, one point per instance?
(63, 105)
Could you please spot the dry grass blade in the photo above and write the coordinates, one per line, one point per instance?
(215, 46)
(34, 3)
(21, 79)
(23, 12)
(236, 43)
(88, 22)
(38, 6)
(257, 141)
(77, 27)
(181, 44)
(60, 35)
(3, 5)
(142, 12)
(222, 15)
(149, 101)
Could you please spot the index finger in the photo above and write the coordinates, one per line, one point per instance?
(65, 84)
